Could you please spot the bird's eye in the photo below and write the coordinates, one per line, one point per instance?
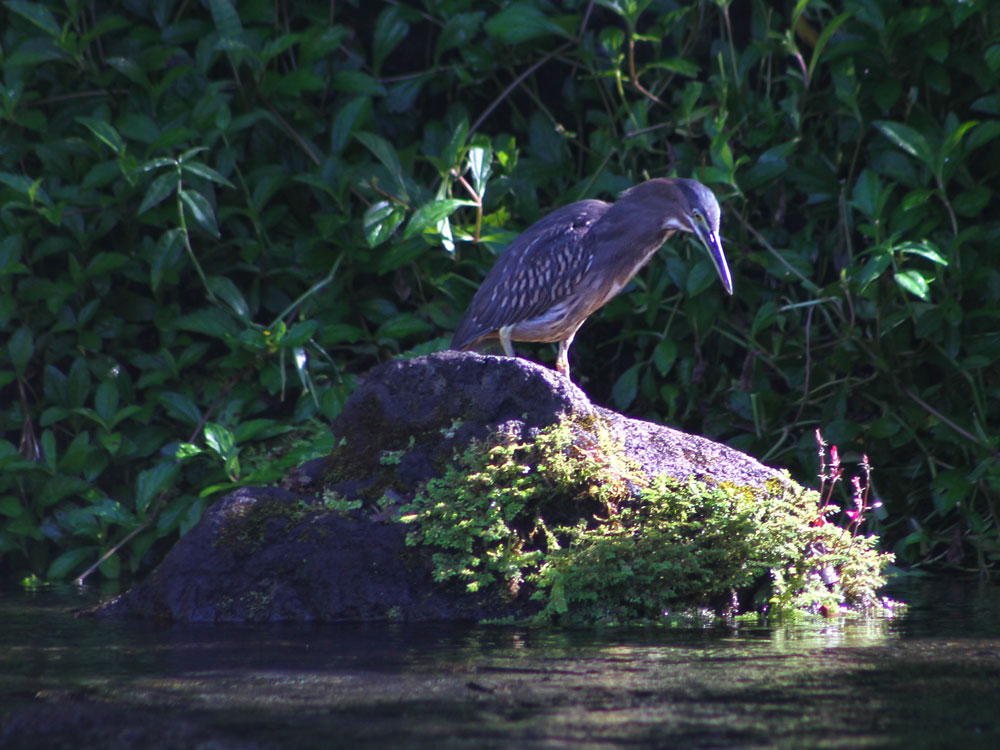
(697, 216)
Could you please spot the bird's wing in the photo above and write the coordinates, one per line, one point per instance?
(537, 270)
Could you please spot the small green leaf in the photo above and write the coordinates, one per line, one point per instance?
(21, 347)
(69, 561)
(349, 115)
(984, 133)
(451, 153)
(624, 391)
(111, 567)
(61, 486)
(228, 292)
(390, 29)
(186, 450)
(191, 153)
(520, 22)
(227, 20)
(399, 254)
(170, 516)
(381, 220)
(78, 384)
(867, 190)
(130, 70)
(104, 132)
(10, 506)
(914, 282)
(951, 143)
(664, 355)
(38, 14)
(106, 401)
(402, 326)
(829, 29)
(916, 198)
(300, 333)
(702, 276)
(992, 57)
(480, 165)
(458, 30)
(201, 210)
(104, 264)
(168, 248)
(386, 154)
(907, 138)
(356, 82)
(191, 516)
(429, 215)
(20, 183)
(970, 203)
(219, 439)
(203, 170)
(110, 441)
(180, 407)
(924, 249)
(677, 65)
(212, 321)
(948, 488)
(873, 269)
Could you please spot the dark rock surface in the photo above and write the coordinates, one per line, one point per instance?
(268, 554)
(263, 554)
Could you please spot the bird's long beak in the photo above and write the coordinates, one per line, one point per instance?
(713, 245)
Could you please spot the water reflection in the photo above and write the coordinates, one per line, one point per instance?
(927, 678)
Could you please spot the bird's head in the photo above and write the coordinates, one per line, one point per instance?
(688, 206)
(701, 218)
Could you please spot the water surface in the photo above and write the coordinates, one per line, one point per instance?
(929, 678)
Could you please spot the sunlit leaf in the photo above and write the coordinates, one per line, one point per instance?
(381, 220)
(913, 281)
(907, 138)
(430, 214)
(924, 249)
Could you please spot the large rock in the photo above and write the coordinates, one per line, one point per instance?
(426, 408)
(264, 554)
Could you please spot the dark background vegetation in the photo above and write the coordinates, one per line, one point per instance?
(214, 219)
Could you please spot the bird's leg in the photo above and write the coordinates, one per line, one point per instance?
(562, 358)
(504, 334)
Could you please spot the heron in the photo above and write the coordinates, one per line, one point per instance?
(574, 260)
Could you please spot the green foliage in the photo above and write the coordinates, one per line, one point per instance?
(223, 213)
(563, 517)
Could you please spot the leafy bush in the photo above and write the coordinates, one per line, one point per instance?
(212, 221)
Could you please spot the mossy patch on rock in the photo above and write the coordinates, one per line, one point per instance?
(567, 522)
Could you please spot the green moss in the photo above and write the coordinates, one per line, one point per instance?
(245, 525)
(567, 522)
(377, 451)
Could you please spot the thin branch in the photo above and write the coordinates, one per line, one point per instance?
(964, 433)
(516, 82)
